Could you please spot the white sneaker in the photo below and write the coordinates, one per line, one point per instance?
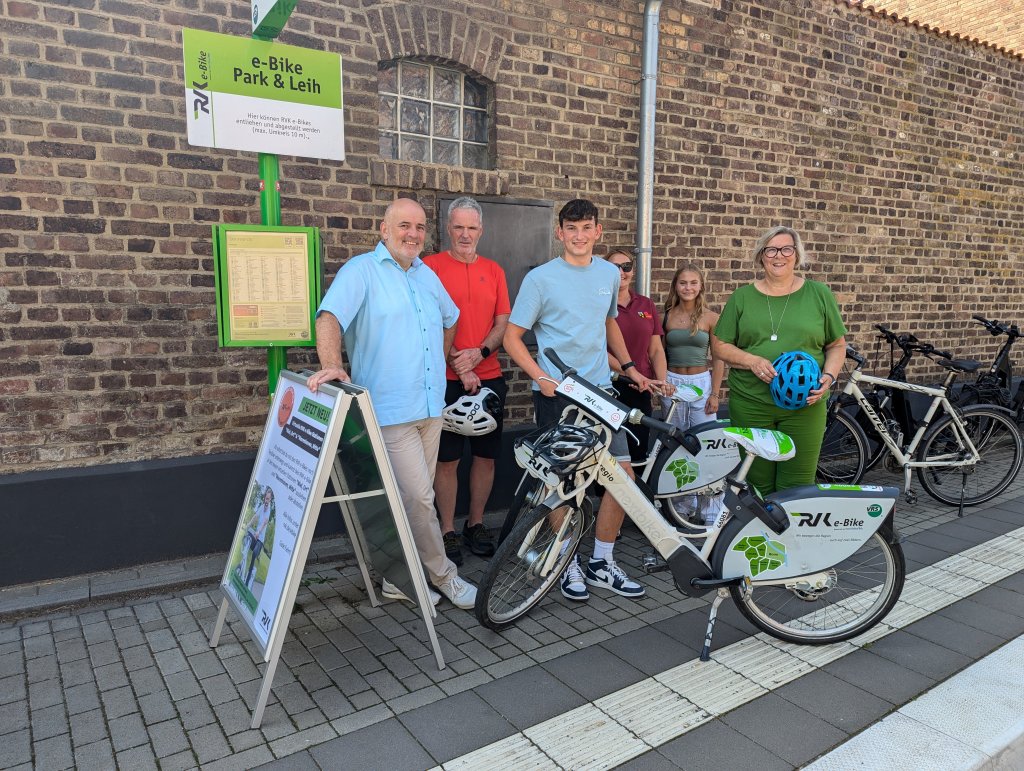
(574, 586)
(686, 505)
(606, 574)
(713, 512)
(461, 593)
(392, 592)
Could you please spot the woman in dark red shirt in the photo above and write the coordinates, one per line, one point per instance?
(641, 330)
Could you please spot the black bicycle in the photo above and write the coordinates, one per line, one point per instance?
(852, 445)
(994, 385)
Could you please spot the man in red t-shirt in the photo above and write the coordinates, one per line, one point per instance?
(477, 285)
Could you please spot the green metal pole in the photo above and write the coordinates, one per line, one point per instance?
(270, 214)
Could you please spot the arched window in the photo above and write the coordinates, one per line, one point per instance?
(433, 114)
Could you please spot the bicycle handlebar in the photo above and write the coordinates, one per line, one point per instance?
(557, 361)
(685, 438)
(636, 417)
(853, 354)
(908, 342)
(996, 328)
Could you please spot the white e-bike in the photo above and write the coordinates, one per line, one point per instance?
(811, 565)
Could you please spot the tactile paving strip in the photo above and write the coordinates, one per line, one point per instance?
(632, 721)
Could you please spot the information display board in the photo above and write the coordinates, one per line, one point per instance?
(245, 94)
(278, 507)
(268, 283)
(308, 439)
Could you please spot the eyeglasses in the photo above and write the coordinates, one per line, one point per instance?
(625, 267)
(771, 252)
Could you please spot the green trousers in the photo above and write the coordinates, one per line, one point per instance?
(806, 427)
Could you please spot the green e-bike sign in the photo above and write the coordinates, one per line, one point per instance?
(244, 94)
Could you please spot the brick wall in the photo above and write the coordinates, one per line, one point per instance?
(895, 151)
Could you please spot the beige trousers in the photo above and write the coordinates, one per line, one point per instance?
(412, 450)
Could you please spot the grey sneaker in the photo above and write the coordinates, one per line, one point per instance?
(461, 593)
(392, 592)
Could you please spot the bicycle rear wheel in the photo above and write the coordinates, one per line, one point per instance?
(861, 591)
(844, 451)
(516, 579)
(998, 441)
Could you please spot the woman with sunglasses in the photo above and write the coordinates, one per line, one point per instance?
(779, 313)
(641, 329)
(689, 323)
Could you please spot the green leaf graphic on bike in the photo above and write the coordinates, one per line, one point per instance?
(685, 471)
(762, 553)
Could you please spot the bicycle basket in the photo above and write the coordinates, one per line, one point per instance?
(558, 452)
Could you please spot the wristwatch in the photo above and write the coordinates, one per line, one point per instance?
(627, 365)
(485, 351)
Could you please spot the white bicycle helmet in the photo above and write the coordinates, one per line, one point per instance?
(472, 415)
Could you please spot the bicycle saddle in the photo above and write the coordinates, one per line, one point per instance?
(960, 365)
(770, 445)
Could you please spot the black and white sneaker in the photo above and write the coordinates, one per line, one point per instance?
(574, 587)
(608, 575)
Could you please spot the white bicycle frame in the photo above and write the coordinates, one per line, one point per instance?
(662, 535)
(905, 459)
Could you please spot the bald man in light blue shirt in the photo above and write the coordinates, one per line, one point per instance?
(398, 323)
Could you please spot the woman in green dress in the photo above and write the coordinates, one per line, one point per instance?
(780, 312)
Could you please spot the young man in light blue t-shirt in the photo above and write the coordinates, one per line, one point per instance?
(570, 303)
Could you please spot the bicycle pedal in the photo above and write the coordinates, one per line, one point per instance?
(910, 498)
(651, 563)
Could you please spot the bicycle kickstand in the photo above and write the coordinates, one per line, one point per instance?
(723, 593)
(963, 492)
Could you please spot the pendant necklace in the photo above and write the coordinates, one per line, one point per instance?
(771, 319)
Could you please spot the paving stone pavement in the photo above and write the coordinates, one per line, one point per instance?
(131, 682)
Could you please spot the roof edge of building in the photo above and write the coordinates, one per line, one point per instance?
(932, 28)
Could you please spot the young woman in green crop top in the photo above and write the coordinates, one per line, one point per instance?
(689, 325)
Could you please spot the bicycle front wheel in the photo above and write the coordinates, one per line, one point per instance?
(528, 495)
(859, 592)
(529, 562)
(998, 441)
(844, 450)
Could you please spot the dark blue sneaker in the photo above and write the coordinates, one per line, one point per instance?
(573, 585)
(608, 575)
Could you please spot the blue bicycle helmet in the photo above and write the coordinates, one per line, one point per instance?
(796, 375)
